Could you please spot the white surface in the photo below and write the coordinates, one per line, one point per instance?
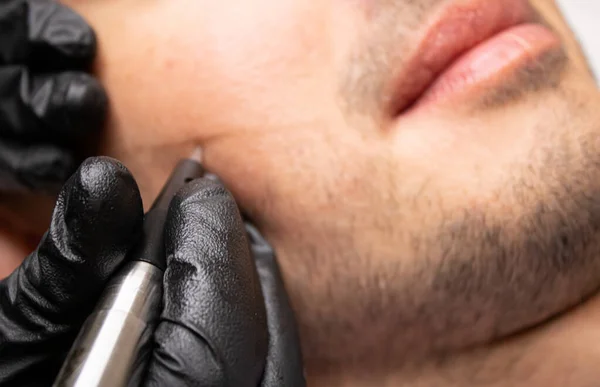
(584, 18)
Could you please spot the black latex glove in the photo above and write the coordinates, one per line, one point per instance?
(48, 103)
(44, 302)
(214, 329)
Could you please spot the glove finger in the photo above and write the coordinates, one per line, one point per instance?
(212, 331)
(60, 108)
(43, 303)
(39, 168)
(284, 360)
(45, 34)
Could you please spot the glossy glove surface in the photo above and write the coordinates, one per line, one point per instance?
(49, 105)
(226, 319)
(215, 329)
(44, 302)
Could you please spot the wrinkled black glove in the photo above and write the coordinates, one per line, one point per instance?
(226, 319)
(48, 103)
(215, 330)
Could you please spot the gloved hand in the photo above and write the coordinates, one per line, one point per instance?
(217, 327)
(213, 330)
(48, 103)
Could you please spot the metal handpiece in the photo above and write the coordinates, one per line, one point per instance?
(113, 346)
(117, 336)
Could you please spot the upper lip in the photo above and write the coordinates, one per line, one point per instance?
(458, 27)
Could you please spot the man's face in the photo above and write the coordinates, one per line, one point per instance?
(415, 205)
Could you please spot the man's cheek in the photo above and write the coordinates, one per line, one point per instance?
(255, 61)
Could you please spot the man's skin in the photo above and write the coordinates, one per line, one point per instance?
(456, 246)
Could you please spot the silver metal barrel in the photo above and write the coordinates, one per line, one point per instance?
(113, 346)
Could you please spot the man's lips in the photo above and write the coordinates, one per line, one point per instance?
(457, 29)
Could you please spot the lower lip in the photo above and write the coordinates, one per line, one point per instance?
(490, 61)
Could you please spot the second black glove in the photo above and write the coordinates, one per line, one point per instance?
(48, 102)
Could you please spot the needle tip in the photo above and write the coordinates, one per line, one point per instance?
(196, 155)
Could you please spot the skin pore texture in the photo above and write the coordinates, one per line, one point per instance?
(456, 247)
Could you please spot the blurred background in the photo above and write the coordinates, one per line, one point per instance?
(584, 16)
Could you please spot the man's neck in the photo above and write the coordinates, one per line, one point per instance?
(14, 247)
(29, 214)
(23, 221)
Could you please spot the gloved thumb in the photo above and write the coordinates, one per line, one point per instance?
(96, 220)
(212, 331)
